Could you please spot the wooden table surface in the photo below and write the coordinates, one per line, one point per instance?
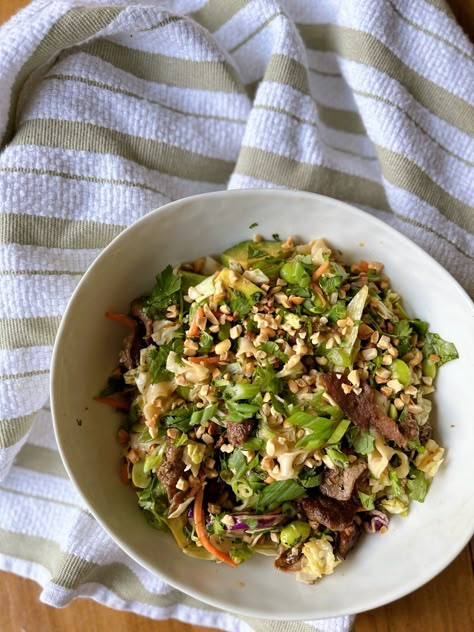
(446, 604)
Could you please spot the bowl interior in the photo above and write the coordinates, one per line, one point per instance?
(381, 568)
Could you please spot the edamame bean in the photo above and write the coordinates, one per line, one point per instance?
(401, 372)
(429, 368)
(140, 478)
(294, 533)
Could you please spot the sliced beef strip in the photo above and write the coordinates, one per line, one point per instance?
(339, 483)
(333, 514)
(289, 560)
(239, 432)
(362, 409)
(169, 473)
(136, 309)
(171, 469)
(125, 355)
(347, 539)
(133, 343)
(425, 432)
(409, 428)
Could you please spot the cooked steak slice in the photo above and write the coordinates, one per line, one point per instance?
(333, 514)
(409, 428)
(171, 469)
(425, 432)
(339, 483)
(347, 539)
(125, 355)
(136, 309)
(239, 432)
(362, 409)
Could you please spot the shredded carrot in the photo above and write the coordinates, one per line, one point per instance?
(123, 436)
(320, 271)
(194, 329)
(204, 359)
(124, 472)
(115, 402)
(202, 533)
(122, 318)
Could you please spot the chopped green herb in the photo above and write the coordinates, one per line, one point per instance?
(417, 486)
(367, 500)
(164, 294)
(435, 345)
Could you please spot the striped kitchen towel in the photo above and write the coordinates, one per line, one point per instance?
(108, 110)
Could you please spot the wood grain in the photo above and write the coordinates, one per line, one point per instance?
(464, 13)
(446, 604)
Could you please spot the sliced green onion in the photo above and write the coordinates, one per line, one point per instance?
(242, 391)
(337, 457)
(339, 432)
(240, 412)
(274, 494)
(154, 459)
(300, 418)
(203, 415)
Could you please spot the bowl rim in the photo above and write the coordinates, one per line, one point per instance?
(181, 206)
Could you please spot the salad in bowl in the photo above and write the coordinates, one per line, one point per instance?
(275, 400)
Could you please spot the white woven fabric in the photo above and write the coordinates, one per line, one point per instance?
(109, 110)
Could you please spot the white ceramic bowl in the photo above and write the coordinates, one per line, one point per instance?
(381, 568)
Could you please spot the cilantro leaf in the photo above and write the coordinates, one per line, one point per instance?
(157, 367)
(272, 349)
(434, 344)
(154, 502)
(330, 284)
(337, 312)
(179, 418)
(266, 378)
(164, 294)
(254, 252)
(402, 329)
(419, 326)
(240, 303)
(253, 225)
